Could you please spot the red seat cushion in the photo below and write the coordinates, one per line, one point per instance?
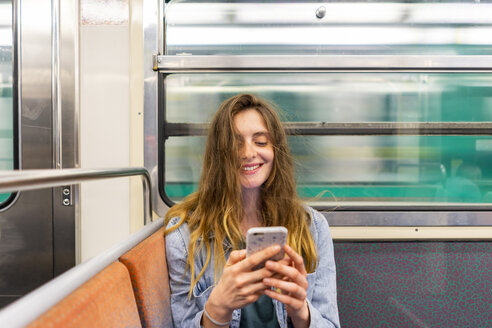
(106, 301)
(146, 263)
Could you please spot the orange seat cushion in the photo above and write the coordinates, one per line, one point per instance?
(146, 263)
(106, 301)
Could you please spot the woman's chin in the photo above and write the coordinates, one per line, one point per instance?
(250, 185)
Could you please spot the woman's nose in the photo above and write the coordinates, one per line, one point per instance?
(249, 151)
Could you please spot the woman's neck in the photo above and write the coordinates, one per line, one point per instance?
(251, 207)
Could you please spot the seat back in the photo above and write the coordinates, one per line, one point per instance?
(147, 265)
(106, 301)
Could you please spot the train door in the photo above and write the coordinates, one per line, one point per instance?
(37, 230)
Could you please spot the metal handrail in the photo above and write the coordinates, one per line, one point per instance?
(352, 128)
(19, 180)
(319, 63)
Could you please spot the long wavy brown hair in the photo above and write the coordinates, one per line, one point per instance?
(216, 209)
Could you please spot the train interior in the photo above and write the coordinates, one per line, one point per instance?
(104, 108)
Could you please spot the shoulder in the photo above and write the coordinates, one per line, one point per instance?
(173, 222)
(178, 237)
(317, 219)
(319, 225)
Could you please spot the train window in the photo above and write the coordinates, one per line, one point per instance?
(366, 152)
(7, 120)
(331, 27)
(400, 118)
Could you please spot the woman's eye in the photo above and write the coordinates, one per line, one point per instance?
(261, 144)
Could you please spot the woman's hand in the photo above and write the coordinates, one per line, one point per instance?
(239, 285)
(292, 288)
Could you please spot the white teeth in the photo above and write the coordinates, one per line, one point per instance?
(251, 168)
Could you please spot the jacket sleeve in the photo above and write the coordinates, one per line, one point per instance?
(323, 306)
(186, 312)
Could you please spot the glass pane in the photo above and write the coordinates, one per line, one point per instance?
(388, 170)
(184, 156)
(339, 97)
(365, 170)
(392, 170)
(6, 81)
(356, 27)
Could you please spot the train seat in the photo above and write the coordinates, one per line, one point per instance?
(106, 300)
(124, 286)
(147, 266)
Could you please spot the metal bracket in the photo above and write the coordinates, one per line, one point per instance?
(67, 195)
(156, 60)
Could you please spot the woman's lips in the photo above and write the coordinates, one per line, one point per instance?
(250, 168)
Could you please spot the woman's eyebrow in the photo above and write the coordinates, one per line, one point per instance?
(261, 133)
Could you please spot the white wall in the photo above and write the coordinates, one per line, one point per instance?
(104, 123)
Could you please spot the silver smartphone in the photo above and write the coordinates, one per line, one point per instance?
(260, 238)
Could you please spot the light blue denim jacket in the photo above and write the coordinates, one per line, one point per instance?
(186, 312)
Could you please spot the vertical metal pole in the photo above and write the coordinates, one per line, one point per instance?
(147, 199)
(153, 44)
(55, 84)
(161, 28)
(17, 86)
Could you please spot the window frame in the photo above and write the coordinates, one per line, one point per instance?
(15, 99)
(377, 215)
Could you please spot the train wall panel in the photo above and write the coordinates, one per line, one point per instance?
(414, 284)
(104, 135)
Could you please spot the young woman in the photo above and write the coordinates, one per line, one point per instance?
(248, 181)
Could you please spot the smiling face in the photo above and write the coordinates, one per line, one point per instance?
(256, 150)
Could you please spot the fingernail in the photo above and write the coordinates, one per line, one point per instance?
(267, 281)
